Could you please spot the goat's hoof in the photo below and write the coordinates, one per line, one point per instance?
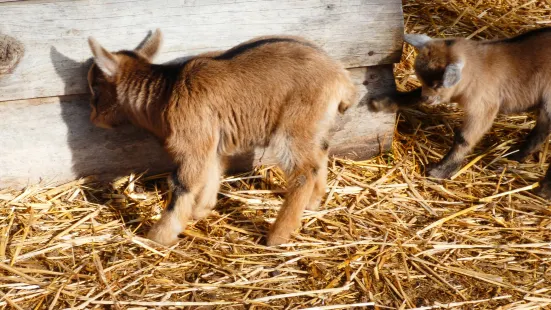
(314, 205)
(199, 214)
(438, 171)
(274, 240)
(163, 236)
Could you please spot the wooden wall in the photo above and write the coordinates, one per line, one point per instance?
(44, 129)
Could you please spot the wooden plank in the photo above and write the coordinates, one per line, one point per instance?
(52, 139)
(357, 32)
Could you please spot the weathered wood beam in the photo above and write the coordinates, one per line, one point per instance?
(359, 33)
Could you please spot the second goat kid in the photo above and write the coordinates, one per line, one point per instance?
(485, 78)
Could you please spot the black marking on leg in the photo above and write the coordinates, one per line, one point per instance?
(459, 139)
(170, 206)
(177, 187)
(315, 171)
(325, 145)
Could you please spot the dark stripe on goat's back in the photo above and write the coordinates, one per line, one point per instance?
(522, 37)
(240, 49)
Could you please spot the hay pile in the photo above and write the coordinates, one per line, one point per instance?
(385, 235)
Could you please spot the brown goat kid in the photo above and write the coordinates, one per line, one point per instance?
(484, 78)
(278, 92)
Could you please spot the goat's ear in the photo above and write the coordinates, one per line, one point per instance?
(452, 74)
(151, 45)
(106, 61)
(417, 40)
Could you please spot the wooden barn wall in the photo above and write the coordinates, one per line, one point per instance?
(44, 129)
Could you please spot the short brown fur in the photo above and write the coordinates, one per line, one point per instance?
(485, 78)
(277, 92)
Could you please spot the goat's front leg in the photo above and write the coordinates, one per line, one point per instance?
(177, 213)
(208, 196)
(188, 183)
(478, 119)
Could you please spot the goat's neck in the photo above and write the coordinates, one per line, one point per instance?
(146, 93)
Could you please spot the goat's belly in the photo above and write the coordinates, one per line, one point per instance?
(516, 107)
(235, 144)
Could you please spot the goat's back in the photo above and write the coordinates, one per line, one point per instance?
(514, 72)
(268, 84)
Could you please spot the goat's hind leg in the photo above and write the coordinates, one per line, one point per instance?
(536, 137)
(301, 181)
(301, 184)
(544, 189)
(534, 140)
(321, 179)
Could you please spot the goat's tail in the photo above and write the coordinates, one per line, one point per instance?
(348, 93)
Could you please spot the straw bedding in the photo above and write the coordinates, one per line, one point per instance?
(385, 236)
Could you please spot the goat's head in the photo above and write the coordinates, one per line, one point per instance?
(107, 74)
(437, 66)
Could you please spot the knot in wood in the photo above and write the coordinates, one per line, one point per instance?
(11, 52)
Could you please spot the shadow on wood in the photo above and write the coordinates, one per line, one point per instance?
(123, 150)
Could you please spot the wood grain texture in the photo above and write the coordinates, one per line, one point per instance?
(357, 32)
(52, 139)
